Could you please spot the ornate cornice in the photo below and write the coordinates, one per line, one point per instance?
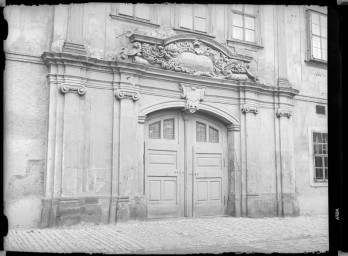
(249, 109)
(128, 93)
(65, 88)
(283, 112)
(193, 97)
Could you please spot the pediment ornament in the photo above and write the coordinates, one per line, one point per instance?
(188, 56)
(193, 97)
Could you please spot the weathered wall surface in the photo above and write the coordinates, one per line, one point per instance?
(25, 125)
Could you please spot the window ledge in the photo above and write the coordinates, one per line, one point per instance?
(193, 32)
(319, 184)
(323, 62)
(244, 43)
(133, 20)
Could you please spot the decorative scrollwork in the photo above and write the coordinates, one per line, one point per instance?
(281, 113)
(121, 93)
(65, 88)
(166, 56)
(249, 109)
(193, 97)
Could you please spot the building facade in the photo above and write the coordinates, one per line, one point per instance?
(117, 112)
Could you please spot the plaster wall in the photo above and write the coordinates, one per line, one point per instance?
(25, 141)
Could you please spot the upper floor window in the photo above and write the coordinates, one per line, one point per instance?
(243, 23)
(320, 155)
(137, 11)
(194, 17)
(317, 36)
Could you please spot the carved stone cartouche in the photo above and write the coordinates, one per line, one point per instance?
(173, 56)
(193, 97)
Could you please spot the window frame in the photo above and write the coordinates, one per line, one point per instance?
(177, 21)
(312, 174)
(257, 31)
(152, 21)
(309, 35)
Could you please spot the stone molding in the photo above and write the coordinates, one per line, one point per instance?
(122, 93)
(142, 119)
(193, 97)
(67, 59)
(233, 127)
(65, 88)
(249, 109)
(282, 112)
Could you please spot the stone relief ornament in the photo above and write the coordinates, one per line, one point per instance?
(64, 88)
(57, 46)
(192, 57)
(249, 109)
(281, 113)
(193, 97)
(122, 93)
(163, 32)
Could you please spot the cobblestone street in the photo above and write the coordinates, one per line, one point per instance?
(218, 234)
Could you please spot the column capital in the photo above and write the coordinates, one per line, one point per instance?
(283, 112)
(128, 93)
(65, 88)
(249, 109)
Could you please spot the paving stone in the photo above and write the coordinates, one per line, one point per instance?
(300, 234)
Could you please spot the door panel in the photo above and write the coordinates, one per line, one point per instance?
(163, 161)
(174, 180)
(208, 169)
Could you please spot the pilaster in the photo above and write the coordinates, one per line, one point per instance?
(127, 94)
(283, 80)
(234, 204)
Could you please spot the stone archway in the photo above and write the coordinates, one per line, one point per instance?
(233, 199)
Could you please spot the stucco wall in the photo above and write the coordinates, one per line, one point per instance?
(25, 125)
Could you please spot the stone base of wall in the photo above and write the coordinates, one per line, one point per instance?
(267, 205)
(71, 211)
(263, 205)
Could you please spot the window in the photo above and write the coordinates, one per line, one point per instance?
(213, 135)
(164, 129)
(140, 11)
(168, 129)
(320, 156)
(155, 130)
(317, 36)
(243, 23)
(201, 132)
(193, 17)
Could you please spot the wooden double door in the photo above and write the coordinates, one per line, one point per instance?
(185, 168)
